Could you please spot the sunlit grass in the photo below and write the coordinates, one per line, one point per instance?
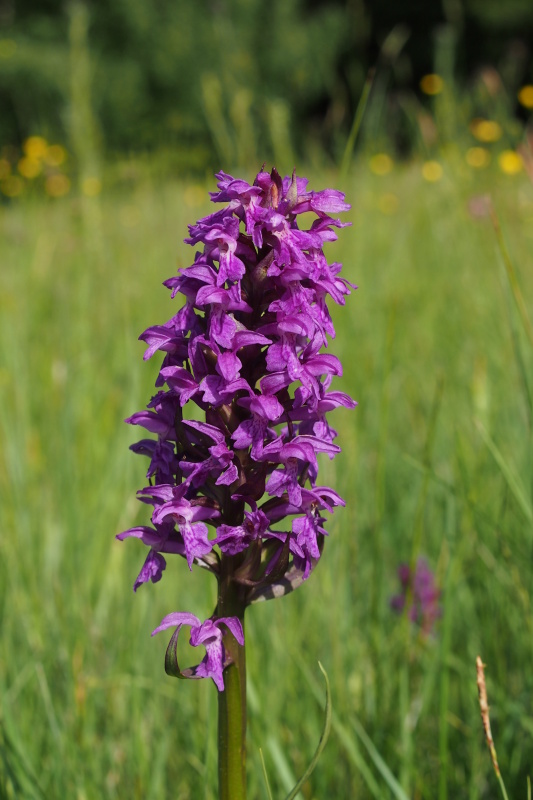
(433, 349)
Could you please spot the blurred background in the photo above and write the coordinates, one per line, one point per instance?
(113, 119)
(241, 81)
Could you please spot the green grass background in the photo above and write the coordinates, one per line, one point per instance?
(436, 461)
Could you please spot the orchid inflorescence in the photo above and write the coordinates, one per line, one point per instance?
(246, 349)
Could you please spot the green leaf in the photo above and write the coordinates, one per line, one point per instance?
(172, 667)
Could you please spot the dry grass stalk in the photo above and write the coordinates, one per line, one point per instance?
(484, 708)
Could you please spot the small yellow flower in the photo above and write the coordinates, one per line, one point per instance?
(35, 147)
(12, 186)
(57, 185)
(55, 155)
(510, 162)
(486, 130)
(381, 164)
(388, 204)
(525, 96)
(91, 187)
(432, 171)
(432, 84)
(29, 167)
(5, 168)
(477, 157)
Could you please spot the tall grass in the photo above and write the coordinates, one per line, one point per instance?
(436, 461)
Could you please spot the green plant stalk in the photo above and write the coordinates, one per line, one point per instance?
(232, 701)
(358, 118)
(444, 693)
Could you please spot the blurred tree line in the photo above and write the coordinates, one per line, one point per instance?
(227, 80)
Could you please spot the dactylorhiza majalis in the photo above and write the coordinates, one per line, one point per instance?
(238, 493)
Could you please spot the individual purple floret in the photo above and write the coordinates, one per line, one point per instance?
(210, 635)
(243, 399)
(422, 593)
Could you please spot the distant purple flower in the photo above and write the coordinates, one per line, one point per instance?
(422, 592)
(246, 350)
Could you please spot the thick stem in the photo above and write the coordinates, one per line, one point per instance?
(232, 701)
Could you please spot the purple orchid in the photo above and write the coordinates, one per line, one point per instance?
(233, 540)
(246, 352)
(421, 592)
(161, 539)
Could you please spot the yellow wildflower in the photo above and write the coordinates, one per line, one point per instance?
(35, 147)
(486, 130)
(432, 84)
(381, 164)
(510, 162)
(29, 167)
(525, 96)
(432, 171)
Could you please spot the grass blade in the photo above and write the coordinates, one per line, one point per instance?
(265, 775)
(357, 120)
(283, 768)
(513, 280)
(16, 765)
(348, 742)
(323, 739)
(511, 478)
(356, 757)
(378, 761)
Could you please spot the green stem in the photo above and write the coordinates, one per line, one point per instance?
(232, 701)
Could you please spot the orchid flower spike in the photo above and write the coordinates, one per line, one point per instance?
(233, 486)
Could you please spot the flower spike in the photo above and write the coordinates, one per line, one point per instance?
(235, 490)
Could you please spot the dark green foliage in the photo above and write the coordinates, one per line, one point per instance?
(157, 67)
(225, 80)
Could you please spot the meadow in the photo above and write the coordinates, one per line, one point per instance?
(436, 462)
